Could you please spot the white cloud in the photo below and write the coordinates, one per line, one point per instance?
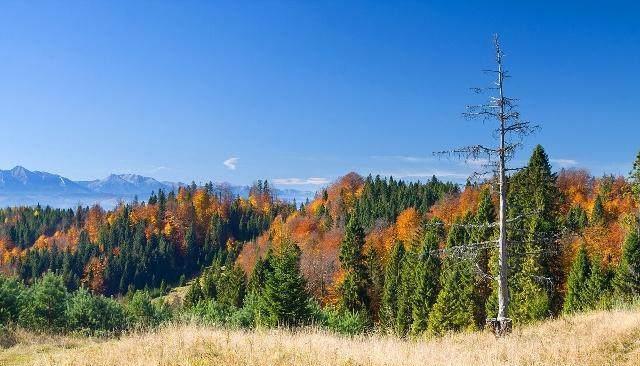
(404, 158)
(231, 163)
(301, 181)
(564, 163)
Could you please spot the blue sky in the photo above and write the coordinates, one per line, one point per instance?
(301, 92)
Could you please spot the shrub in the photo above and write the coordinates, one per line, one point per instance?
(346, 322)
(10, 290)
(142, 313)
(95, 315)
(43, 306)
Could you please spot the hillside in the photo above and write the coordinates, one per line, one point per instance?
(600, 338)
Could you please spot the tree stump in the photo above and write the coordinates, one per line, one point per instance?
(500, 327)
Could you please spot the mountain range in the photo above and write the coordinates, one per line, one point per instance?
(22, 187)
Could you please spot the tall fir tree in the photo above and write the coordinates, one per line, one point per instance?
(532, 237)
(427, 273)
(598, 212)
(284, 301)
(577, 284)
(353, 289)
(389, 308)
(455, 306)
(484, 231)
(627, 277)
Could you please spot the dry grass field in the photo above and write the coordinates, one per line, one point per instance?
(600, 338)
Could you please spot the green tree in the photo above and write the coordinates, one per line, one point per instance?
(598, 212)
(627, 277)
(284, 299)
(10, 291)
(455, 306)
(353, 290)
(194, 294)
(635, 178)
(45, 308)
(577, 284)
(389, 308)
(427, 272)
(598, 285)
(533, 233)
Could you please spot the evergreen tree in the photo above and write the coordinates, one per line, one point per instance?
(455, 306)
(576, 219)
(597, 287)
(533, 206)
(389, 308)
(46, 305)
(577, 284)
(427, 272)
(353, 290)
(627, 276)
(284, 299)
(194, 295)
(484, 231)
(635, 178)
(598, 213)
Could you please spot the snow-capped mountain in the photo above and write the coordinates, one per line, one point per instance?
(20, 186)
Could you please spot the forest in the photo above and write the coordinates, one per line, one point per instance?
(367, 254)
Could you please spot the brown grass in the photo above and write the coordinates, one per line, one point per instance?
(601, 338)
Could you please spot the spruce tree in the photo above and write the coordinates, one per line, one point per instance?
(577, 284)
(427, 273)
(284, 299)
(597, 287)
(627, 276)
(635, 178)
(353, 290)
(484, 231)
(534, 278)
(598, 213)
(455, 306)
(194, 295)
(389, 308)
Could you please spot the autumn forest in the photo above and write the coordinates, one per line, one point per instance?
(366, 254)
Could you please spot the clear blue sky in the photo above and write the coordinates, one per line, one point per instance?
(293, 90)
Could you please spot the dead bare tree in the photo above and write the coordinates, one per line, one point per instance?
(509, 133)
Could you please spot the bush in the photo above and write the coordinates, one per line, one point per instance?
(43, 306)
(209, 312)
(10, 290)
(96, 315)
(142, 313)
(346, 322)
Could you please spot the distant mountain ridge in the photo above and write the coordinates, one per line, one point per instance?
(22, 187)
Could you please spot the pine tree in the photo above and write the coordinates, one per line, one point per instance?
(484, 231)
(627, 277)
(455, 306)
(389, 308)
(427, 273)
(353, 290)
(284, 299)
(194, 295)
(598, 213)
(534, 279)
(577, 284)
(597, 287)
(635, 178)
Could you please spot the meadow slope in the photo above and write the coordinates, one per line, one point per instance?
(599, 338)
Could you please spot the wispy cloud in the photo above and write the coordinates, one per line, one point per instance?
(564, 163)
(404, 158)
(158, 169)
(231, 163)
(301, 181)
